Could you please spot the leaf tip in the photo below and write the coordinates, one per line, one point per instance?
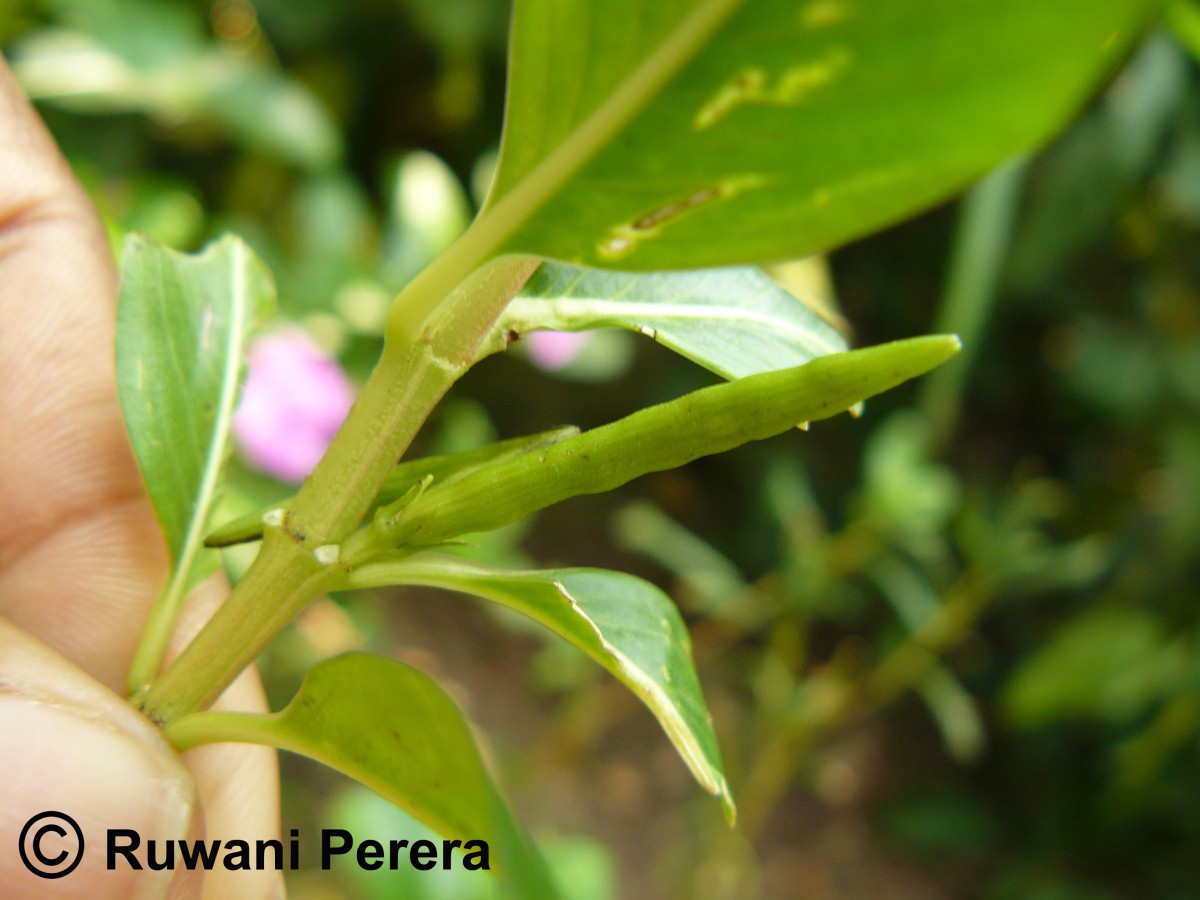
(728, 806)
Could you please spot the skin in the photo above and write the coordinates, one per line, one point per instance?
(81, 560)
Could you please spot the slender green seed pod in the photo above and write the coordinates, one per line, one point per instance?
(661, 437)
(444, 470)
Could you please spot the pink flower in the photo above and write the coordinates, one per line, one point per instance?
(551, 350)
(294, 399)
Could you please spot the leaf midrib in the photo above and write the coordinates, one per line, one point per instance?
(490, 234)
(218, 440)
(634, 92)
(599, 309)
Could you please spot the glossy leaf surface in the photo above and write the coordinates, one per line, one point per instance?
(626, 624)
(395, 730)
(688, 133)
(734, 322)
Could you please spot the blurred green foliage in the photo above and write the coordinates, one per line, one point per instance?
(946, 655)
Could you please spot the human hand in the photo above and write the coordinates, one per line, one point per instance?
(81, 560)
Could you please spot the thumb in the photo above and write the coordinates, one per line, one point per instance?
(69, 747)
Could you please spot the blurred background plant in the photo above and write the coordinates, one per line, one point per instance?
(951, 648)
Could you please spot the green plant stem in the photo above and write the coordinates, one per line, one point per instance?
(911, 660)
(286, 575)
(410, 378)
(433, 330)
(196, 729)
(838, 698)
(980, 246)
(503, 216)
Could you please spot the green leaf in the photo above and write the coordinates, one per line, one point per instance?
(428, 210)
(404, 478)
(916, 603)
(157, 58)
(654, 439)
(734, 322)
(688, 133)
(1108, 664)
(708, 583)
(182, 322)
(266, 111)
(1183, 18)
(395, 730)
(626, 624)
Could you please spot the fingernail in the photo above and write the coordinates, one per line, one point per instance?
(82, 774)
